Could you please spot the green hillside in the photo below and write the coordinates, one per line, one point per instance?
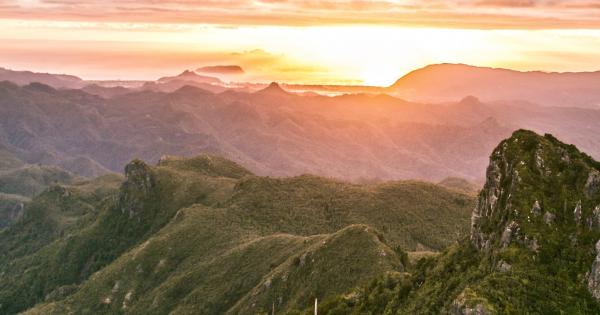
(532, 248)
(20, 181)
(30, 180)
(204, 235)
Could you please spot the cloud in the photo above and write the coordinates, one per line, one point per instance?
(500, 14)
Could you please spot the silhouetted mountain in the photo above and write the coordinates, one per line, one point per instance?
(273, 132)
(450, 82)
(54, 80)
(188, 75)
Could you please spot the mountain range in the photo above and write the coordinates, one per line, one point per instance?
(258, 199)
(274, 132)
(447, 82)
(436, 83)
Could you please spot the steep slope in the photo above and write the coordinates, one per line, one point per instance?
(56, 212)
(11, 208)
(532, 248)
(205, 235)
(450, 82)
(146, 201)
(20, 181)
(32, 179)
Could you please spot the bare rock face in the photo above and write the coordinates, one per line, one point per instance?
(596, 217)
(503, 266)
(592, 185)
(577, 213)
(594, 276)
(510, 231)
(536, 209)
(486, 205)
(460, 306)
(549, 218)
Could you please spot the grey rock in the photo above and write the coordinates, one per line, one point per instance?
(536, 209)
(592, 184)
(532, 244)
(460, 307)
(594, 275)
(503, 266)
(549, 218)
(509, 232)
(577, 213)
(596, 217)
(486, 204)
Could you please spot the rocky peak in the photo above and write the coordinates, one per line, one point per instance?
(529, 175)
(138, 184)
(273, 89)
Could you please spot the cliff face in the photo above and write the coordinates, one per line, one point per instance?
(542, 196)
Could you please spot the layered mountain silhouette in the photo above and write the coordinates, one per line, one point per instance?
(273, 131)
(448, 82)
(54, 80)
(215, 213)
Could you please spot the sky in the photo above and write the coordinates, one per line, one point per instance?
(316, 42)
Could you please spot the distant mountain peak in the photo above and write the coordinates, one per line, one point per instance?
(274, 88)
(188, 73)
(470, 100)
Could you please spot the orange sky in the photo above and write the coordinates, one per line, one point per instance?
(354, 42)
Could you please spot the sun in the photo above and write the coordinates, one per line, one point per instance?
(379, 74)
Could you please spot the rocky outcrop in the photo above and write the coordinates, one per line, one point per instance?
(495, 201)
(536, 209)
(594, 275)
(596, 217)
(503, 266)
(509, 233)
(592, 184)
(467, 303)
(549, 218)
(486, 205)
(138, 185)
(577, 213)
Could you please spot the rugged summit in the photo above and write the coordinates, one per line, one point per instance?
(529, 176)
